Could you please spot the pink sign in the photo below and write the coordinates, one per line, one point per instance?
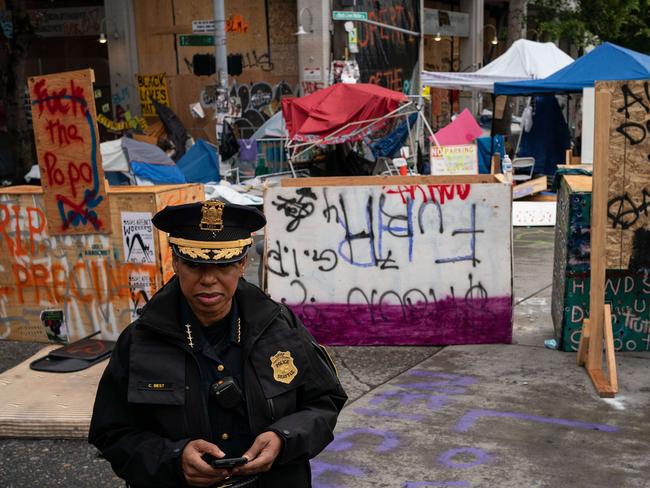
(463, 130)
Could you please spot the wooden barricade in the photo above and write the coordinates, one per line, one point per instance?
(620, 224)
(389, 260)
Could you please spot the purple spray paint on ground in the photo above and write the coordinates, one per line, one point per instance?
(480, 457)
(472, 416)
(448, 321)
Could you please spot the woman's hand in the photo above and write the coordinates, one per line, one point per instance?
(261, 455)
(197, 472)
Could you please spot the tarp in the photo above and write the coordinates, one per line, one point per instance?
(113, 156)
(329, 110)
(145, 152)
(388, 145)
(524, 60)
(549, 137)
(200, 164)
(487, 146)
(274, 128)
(157, 174)
(606, 62)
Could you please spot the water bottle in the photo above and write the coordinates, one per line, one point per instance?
(506, 167)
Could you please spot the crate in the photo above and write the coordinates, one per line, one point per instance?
(627, 292)
(97, 281)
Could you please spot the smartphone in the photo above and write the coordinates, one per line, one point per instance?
(224, 463)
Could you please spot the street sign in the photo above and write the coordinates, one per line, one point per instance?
(202, 26)
(189, 40)
(345, 15)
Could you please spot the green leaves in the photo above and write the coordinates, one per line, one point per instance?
(623, 22)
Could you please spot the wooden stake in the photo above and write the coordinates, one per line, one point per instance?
(606, 386)
(584, 343)
(610, 359)
(598, 224)
(599, 325)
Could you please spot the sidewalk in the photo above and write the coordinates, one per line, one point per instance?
(515, 415)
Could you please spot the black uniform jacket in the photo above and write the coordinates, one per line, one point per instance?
(149, 402)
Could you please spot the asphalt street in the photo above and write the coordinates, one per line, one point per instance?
(517, 415)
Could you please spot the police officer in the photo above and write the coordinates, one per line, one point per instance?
(214, 369)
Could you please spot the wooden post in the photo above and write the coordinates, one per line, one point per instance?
(598, 224)
(594, 329)
(495, 166)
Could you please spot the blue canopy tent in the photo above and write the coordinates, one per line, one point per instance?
(606, 62)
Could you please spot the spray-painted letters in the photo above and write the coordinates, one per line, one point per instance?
(65, 131)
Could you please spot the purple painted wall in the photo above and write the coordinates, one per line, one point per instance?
(448, 321)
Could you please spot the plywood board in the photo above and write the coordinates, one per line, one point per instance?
(394, 264)
(45, 405)
(628, 175)
(67, 147)
(156, 53)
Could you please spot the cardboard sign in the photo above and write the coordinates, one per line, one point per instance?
(152, 87)
(67, 145)
(409, 261)
(454, 160)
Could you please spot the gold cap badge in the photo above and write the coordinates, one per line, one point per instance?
(284, 370)
(212, 219)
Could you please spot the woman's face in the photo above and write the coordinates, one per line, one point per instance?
(208, 288)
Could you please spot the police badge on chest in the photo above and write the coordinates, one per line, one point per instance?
(284, 370)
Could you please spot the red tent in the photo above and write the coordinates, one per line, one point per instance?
(327, 112)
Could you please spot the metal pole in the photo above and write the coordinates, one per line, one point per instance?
(220, 49)
(387, 26)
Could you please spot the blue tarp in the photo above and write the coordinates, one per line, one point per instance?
(549, 137)
(486, 148)
(200, 164)
(391, 143)
(606, 62)
(158, 174)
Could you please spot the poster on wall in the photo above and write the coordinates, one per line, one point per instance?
(386, 57)
(152, 87)
(137, 237)
(141, 288)
(54, 324)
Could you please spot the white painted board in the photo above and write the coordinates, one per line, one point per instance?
(417, 264)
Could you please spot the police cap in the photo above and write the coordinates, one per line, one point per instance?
(212, 232)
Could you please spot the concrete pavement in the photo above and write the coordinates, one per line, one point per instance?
(515, 415)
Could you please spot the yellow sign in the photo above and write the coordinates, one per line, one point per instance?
(284, 370)
(132, 123)
(152, 87)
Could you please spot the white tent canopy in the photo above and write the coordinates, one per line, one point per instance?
(274, 128)
(524, 60)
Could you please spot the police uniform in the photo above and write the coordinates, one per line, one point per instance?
(158, 390)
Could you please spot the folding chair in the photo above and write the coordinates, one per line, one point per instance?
(522, 168)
